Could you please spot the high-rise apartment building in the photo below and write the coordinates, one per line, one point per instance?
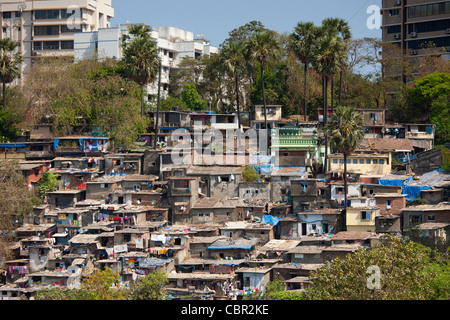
(415, 26)
(46, 27)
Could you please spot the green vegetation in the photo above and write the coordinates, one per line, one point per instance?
(104, 285)
(47, 183)
(249, 174)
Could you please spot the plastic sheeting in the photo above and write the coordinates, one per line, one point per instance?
(271, 219)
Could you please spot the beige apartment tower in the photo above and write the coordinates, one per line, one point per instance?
(45, 28)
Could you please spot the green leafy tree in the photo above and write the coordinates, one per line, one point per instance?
(47, 183)
(8, 125)
(10, 61)
(402, 267)
(345, 131)
(100, 285)
(191, 98)
(16, 203)
(249, 174)
(150, 287)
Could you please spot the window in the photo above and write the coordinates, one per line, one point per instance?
(361, 161)
(394, 12)
(394, 29)
(381, 161)
(431, 217)
(355, 161)
(375, 161)
(366, 215)
(46, 30)
(341, 161)
(50, 45)
(7, 15)
(335, 161)
(67, 45)
(66, 29)
(17, 14)
(368, 161)
(46, 14)
(388, 204)
(224, 179)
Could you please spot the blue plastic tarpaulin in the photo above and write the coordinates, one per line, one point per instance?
(271, 219)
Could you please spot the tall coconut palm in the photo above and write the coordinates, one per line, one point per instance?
(345, 130)
(141, 58)
(233, 64)
(302, 44)
(340, 28)
(328, 58)
(263, 46)
(10, 61)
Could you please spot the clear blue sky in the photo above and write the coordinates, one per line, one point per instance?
(214, 19)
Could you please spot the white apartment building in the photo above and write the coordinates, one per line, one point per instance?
(47, 27)
(174, 44)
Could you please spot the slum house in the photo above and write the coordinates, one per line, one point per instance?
(33, 171)
(254, 190)
(83, 246)
(276, 249)
(203, 285)
(280, 180)
(252, 208)
(182, 194)
(134, 238)
(217, 181)
(320, 222)
(124, 163)
(274, 113)
(373, 121)
(261, 232)
(304, 254)
(45, 256)
(426, 161)
(309, 194)
(287, 271)
(65, 198)
(71, 220)
(253, 279)
(14, 270)
(101, 187)
(368, 189)
(294, 146)
(213, 266)
(32, 230)
(431, 234)
(198, 246)
(231, 248)
(40, 143)
(337, 191)
(421, 135)
(373, 165)
(81, 163)
(39, 215)
(361, 218)
(81, 146)
(390, 203)
(415, 215)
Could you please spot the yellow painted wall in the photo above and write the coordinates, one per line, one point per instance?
(356, 223)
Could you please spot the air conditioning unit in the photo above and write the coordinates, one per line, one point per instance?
(413, 34)
(448, 31)
(396, 36)
(398, 2)
(413, 52)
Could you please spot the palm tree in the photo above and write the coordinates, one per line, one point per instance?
(263, 46)
(328, 58)
(302, 43)
(340, 28)
(232, 62)
(345, 130)
(141, 58)
(9, 64)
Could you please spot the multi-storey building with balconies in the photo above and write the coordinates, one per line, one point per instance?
(46, 28)
(415, 26)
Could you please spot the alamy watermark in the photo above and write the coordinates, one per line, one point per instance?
(74, 15)
(374, 280)
(374, 21)
(224, 147)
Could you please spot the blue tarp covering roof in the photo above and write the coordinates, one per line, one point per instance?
(271, 219)
(413, 188)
